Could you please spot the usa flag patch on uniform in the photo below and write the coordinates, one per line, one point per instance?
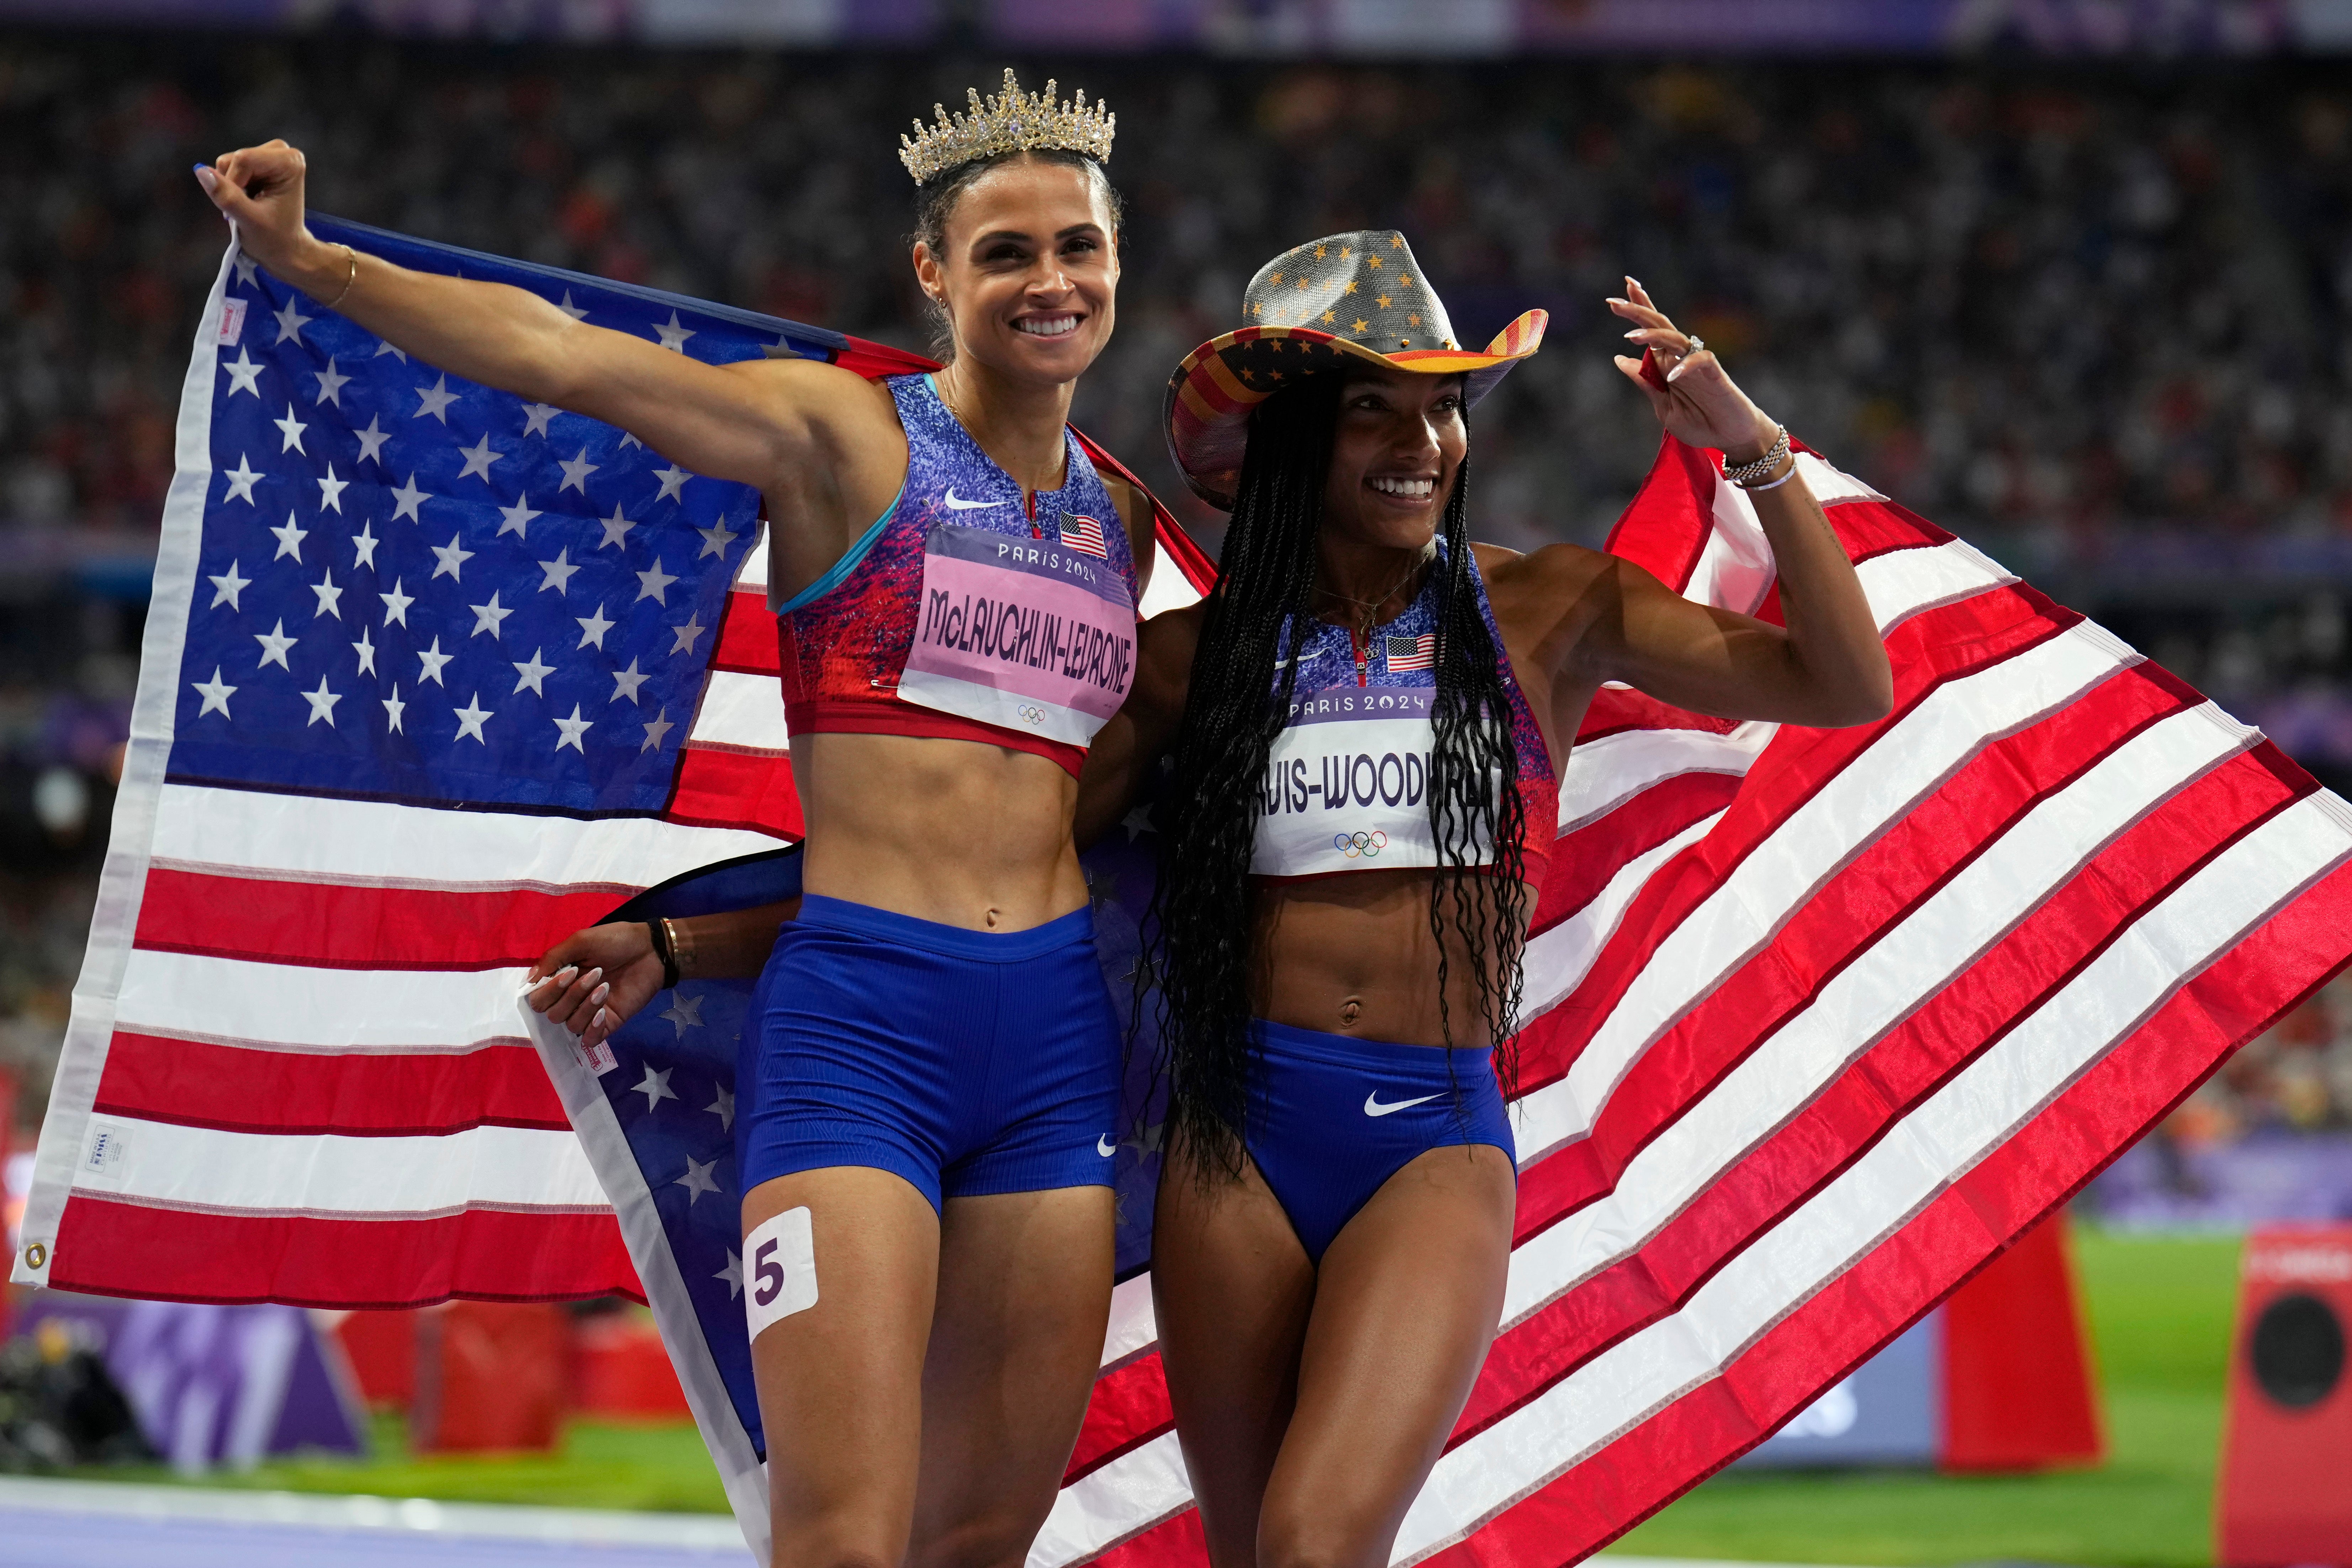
(1411, 653)
(1084, 535)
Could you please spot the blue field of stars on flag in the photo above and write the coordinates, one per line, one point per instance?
(415, 587)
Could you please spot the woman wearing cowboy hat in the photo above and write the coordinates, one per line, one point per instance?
(1368, 719)
(925, 1101)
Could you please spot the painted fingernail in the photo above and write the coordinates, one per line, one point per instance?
(566, 972)
(602, 1018)
(1637, 331)
(601, 992)
(1633, 280)
(591, 978)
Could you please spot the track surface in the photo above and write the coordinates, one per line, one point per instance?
(72, 1524)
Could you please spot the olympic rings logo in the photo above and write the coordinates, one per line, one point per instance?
(1031, 713)
(1366, 846)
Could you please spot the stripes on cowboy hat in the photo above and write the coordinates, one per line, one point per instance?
(1348, 297)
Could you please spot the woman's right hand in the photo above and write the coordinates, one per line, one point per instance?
(594, 980)
(261, 188)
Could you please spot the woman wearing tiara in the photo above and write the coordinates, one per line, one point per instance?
(926, 1105)
(1368, 719)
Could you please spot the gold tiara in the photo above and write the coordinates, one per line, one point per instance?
(1012, 121)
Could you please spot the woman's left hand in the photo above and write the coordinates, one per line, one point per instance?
(594, 980)
(1699, 404)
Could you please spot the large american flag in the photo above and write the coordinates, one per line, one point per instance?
(1821, 1019)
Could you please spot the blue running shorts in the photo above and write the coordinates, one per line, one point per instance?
(1331, 1117)
(966, 1061)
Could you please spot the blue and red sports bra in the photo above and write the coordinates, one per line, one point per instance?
(969, 611)
(1347, 781)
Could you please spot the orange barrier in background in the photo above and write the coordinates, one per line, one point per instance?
(382, 1349)
(489, 1376)
(607, 1365)
(2017, 1377)
(623, 1373)
(2286, 1451)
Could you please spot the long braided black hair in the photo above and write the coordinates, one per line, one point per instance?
(1203, 922)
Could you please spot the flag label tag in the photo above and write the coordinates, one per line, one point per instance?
(232, 323)
(107, 1153)
(780, 1258)
(598, 1058)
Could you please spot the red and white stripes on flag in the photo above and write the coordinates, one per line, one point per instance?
(1084, 535)
(1823, 1020)
(307, 1034)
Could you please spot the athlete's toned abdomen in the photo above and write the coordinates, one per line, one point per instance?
(1352, 955)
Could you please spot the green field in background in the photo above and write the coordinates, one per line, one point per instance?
(2160, 1313)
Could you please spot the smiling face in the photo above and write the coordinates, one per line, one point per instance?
(1027, 270)
(1398, 443)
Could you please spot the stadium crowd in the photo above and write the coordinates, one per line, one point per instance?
(2073, 313)
(2071, 302)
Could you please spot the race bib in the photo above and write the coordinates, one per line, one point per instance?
(1028, 635)
(1346, 784)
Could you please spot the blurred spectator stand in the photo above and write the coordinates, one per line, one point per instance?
(2267, 1139)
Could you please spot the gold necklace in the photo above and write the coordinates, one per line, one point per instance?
(1359, 637)
(1371, 608)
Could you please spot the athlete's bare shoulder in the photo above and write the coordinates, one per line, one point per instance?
(1548, 571)
(1546, 600)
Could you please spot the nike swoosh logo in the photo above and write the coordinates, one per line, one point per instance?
(1105, 1147)
(958, 504)
(1372, 1106)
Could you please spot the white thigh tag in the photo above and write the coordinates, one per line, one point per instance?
(780, 1269)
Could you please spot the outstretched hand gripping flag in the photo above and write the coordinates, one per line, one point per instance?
(1820, 1021)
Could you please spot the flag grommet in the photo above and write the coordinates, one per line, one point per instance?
(35, 1255)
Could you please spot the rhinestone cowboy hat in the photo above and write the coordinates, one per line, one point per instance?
(1321, 305)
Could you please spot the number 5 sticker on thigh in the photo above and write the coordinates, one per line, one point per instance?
(781, 1258)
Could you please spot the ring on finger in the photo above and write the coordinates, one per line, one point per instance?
(1693, 346)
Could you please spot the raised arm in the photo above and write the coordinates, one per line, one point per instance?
(1613, 620)
(756, 422)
